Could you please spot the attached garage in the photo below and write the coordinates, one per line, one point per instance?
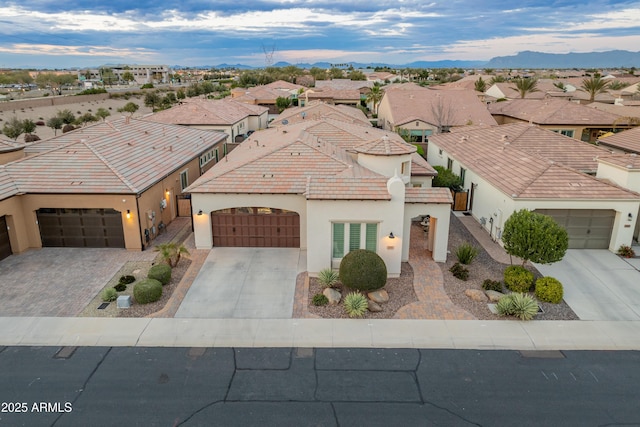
(5, 245)
(79, 228)
(256, 227)
(587, 228)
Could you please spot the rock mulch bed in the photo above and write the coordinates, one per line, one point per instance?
(400, 292)
(484, 267)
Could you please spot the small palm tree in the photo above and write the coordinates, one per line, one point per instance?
(480, 85)
(375, 96)
(594, 86)
(171, 253)
(525, 86)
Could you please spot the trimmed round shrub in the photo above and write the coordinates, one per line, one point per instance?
(160, 272)
(363, 270)
(549, 289)
(492, 285)
(109, 295)
(355, 304)
(518, 278)
(147, 290)
(320, 299)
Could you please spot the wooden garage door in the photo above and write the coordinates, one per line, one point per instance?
(256, 227)
(79, 228)
(587, 228)
(5, 245)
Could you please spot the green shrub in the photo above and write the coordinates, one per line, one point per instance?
(147, 86)
(320, 299)
(549, 289)
(109, 294)
(626, 251)
(459, 271)
(147, 290)
(492, 285)
(503, 306)
(120, 287)
(161, 273)
(523, 306)
(126, 279)
(355, 304)
(518, 278)
(363, 270)
(466, 253)
(328, 277)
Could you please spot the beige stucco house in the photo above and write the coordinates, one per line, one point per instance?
(113, 184)
(520, 166)
(234, 118)
(422, 112)
(558, 115)
(325, 186)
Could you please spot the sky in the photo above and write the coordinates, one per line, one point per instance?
(73, 33)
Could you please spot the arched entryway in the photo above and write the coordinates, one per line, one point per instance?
(256, 227)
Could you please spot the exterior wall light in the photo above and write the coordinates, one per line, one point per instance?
(128, 214)
(391, 236)
(630, 216)
(200, 212)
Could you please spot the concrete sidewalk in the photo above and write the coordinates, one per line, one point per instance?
(438, 334)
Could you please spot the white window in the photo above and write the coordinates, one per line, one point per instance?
(184, 179)
(351, 236)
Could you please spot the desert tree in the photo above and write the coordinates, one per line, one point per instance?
(525, 86)
(534, 237)
(594, 86)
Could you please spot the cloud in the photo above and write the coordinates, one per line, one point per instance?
(89, 51)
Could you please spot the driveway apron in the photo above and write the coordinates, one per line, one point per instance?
(598, 284)
(244, 283)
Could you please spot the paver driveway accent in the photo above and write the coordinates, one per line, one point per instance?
(244, 283)
(59, 281)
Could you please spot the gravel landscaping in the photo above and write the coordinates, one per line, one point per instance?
(484, 267)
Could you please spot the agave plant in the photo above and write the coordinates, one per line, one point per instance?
(328, 277)
(355, 304)
(523, 306)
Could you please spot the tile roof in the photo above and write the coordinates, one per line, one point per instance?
(626, 161)
(456, 107)
(7, 146)
(385, 146)
(420, 167)
(311, 158)
(123, 156)
(7, 186)
(428, 195)
(624, 110)
(522, 171)
(207, 112)
(319, 110)
(628, 140)
(552, 112)
(343, 84)
(329, 93)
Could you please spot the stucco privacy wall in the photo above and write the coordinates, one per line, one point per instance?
(212, 202)
(11, 209)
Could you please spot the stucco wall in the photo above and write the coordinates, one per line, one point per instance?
(386, 165)
(11, 209)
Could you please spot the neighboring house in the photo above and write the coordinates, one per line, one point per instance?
(362, 86)
(113, 184)
(382, 77)
(325, 186)
(622, 142)
(506, 90)
(225, 115)
(320, 110)
(141, 73)
(266, 95)
(421, 112)
(10, 151)
(350, 97)
(519, 166)
(558, 115)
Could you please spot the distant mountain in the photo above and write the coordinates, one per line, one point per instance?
(529, 59)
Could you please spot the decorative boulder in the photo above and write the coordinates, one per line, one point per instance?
(332, 295)
(494, 296)
(380, 296)
(476, 295)
(374, 307)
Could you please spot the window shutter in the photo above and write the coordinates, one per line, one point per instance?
(354, 237)
(338, 240)
(371, 237)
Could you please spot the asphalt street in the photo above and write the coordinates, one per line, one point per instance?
(125, 386)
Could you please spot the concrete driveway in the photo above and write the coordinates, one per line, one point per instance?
(598, 284)
(248, 283)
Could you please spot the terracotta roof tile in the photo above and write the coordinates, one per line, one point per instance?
(207, 112)
(552, 112)
(320, 110)
(339, 188)
(420, 167)
(385, 146)
(627, 161)
(428, 195)
(8, 187)
(628, 140)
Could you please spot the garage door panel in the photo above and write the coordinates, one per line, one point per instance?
(587, 229)
(81, 227)
(256, 227)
